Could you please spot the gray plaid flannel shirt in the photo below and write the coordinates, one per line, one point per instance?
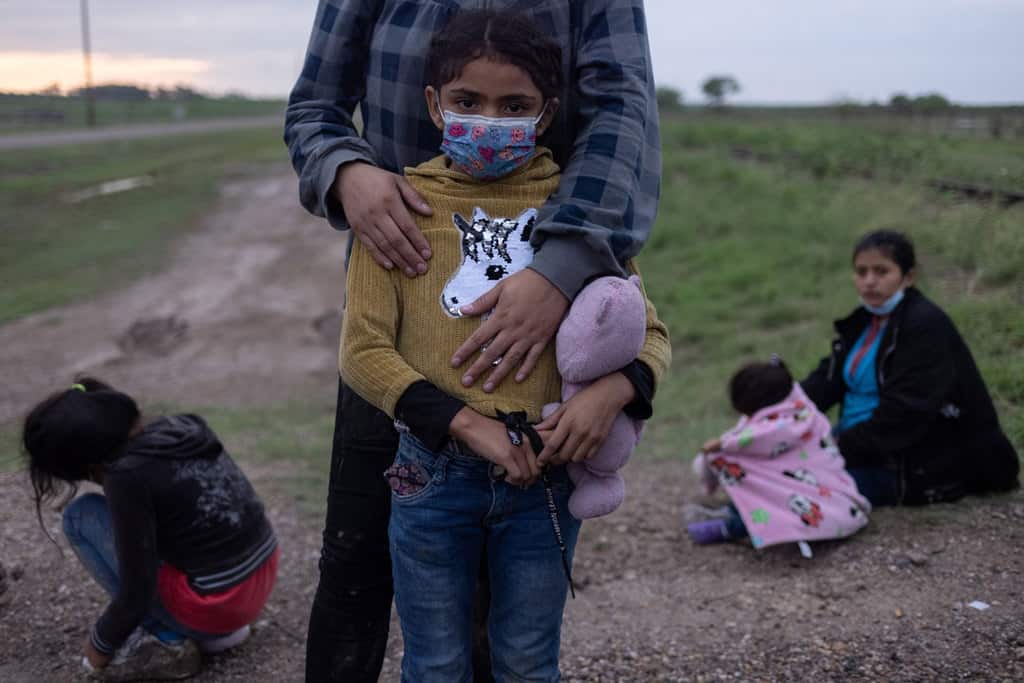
(370, 54)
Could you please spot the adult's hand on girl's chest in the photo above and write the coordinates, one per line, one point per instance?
(527, 310)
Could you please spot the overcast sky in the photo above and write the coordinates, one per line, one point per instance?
(781, 51)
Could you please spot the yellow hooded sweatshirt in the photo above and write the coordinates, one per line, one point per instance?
(400, 330)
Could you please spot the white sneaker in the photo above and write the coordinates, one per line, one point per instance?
(221, 643)
(144, 657)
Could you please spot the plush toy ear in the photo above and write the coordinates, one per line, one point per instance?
(635, 279)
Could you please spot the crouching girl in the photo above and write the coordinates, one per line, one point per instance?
(178, 539)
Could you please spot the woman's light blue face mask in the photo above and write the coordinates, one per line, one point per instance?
(889, 306)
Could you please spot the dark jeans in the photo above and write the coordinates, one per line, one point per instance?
(734, 525)
(879, 486)
(348, 625)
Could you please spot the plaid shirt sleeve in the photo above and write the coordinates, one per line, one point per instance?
(605, 206)
(319, 128)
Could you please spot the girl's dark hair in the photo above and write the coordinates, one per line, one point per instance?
(759, 385)
(500, 35)
(71, 431)
(893, 244)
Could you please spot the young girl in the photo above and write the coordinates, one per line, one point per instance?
(465, 477)
(780, 467)
(179, 539)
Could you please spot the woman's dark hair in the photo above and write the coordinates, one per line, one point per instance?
(504, 36)
(72, 431)
(759, 385)
(894, 245)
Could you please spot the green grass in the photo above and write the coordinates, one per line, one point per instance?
(829, 148)
(16, 111)
(10, 446)
(292, 437)
(53, 252)
(749, 259)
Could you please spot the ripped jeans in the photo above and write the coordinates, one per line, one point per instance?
(448, 509)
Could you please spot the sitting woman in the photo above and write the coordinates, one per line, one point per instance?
(917, 424)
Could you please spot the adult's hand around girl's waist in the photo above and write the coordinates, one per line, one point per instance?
(377, 206)
(527, 310)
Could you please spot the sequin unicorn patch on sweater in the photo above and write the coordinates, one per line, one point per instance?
(492, 249)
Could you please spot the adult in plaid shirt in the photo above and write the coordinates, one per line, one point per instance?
(370, 54)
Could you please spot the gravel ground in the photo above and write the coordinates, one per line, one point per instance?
(246, 301)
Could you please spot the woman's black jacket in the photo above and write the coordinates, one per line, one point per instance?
(935, 425)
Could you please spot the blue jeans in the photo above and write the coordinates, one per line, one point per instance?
(88, 528)
(734, 525)
(462, 507)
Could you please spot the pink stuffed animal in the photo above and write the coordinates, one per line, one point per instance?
(603, 332)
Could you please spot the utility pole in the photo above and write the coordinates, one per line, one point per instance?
(90, 101)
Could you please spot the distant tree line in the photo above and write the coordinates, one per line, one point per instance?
(718, 88)
(128, 92)
(715, 88)
(927, 104)
(119, 92)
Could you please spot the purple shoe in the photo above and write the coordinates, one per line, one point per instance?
(708, 531)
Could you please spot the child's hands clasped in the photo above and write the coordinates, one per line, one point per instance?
(579, 427)
(489, 439)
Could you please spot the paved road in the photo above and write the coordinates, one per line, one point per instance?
(134, 131)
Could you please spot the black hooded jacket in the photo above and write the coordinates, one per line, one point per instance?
(176, 496)
(935, 425)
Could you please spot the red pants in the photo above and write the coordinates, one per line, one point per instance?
(216, 613)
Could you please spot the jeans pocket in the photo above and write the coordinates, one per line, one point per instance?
(413, 474)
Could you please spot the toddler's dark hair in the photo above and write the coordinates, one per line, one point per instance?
(71, 431)
(759, 385)
(500, 35)
(893, 244)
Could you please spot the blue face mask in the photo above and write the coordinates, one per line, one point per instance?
(888, 307)
(488, 148)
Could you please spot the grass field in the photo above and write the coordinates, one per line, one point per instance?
(751, 258)
(748, 258)
(19, 113)
(54, 251)
(829, 148)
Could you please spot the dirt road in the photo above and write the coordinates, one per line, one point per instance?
(245, 314)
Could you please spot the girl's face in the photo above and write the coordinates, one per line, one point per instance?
(487, 87)
(877, 277)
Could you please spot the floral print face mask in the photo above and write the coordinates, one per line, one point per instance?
(489, 148)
